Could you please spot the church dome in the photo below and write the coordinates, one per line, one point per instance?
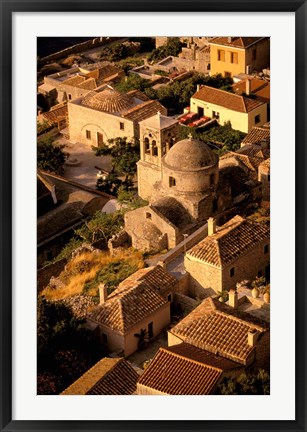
(190, 154)
(108, 100)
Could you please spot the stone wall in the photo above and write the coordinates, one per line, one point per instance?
(206, 277)
(82, 119)
(44, 274)
(187, 303)
(78, 48)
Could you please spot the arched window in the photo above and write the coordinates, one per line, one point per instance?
(154, 148)
(146, 145)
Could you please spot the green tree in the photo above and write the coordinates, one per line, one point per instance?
(171, 48)
(50, 157)
(132, 82)
(101, 226)
(124, 154)
(247, 384)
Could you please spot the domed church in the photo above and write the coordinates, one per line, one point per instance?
(180, 180)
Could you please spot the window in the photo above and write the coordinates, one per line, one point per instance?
(221, 55)
(69, 96)
(227, 74)
(121, 126)
(254, 54)
(232, 272)
(257, 119)
(171, 181)
(266, 249)
(234, 57)
(147, 147)
(88, 134)
(104, 338)
(154, 148)
(216, 115)
(150, 330)
(169, 297)
(148, 215)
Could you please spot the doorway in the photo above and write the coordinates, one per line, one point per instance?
(99, 139)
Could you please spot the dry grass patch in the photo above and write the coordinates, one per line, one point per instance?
(84, 272)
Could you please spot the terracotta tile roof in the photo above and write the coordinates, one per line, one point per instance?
(143, 111)
(177, 374)
(104, 72)
(139, 95)
(238, 42)
(226, 99)
(256, 85)
(74, 81)
(250, 155)
(88, 84)
(57, 113)
(256, 136)
(130, 303)
(110, 376)
(220, 329)
(230, 241)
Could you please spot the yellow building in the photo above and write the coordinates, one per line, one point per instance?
(234, 55)
(242, 112)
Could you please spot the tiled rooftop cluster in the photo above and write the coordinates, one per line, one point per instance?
(219, 329)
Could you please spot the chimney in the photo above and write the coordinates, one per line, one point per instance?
(229, 39)
(248, 87)
(252, 337)
(103, 293)
(198, 87)
(233, 298)
(211, 226)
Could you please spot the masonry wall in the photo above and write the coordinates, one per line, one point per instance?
(148, 175)
(247, 266)
(204, 279)
(262, 60)
(134, 220)
(160, 319)
(116, 341)
(263, 177)
(220, 67)
(82, 119)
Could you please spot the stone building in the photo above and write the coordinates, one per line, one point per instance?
(242, 112)
(234, 55)
(236, 251)
(184, 369)
(110, 376)
(76, 82)
(106, 114)
(224, 331)
(181, 183)
(139, 306)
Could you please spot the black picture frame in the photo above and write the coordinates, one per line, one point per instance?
(7, 10)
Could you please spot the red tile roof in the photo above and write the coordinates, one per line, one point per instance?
(237, 42)
(110, 376)
(181, 370)
(144, 110)
(257, 135)
(136, 298)
(226, 99)
(220, 329)
(230, 241)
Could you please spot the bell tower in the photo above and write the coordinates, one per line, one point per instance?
(157, 135)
